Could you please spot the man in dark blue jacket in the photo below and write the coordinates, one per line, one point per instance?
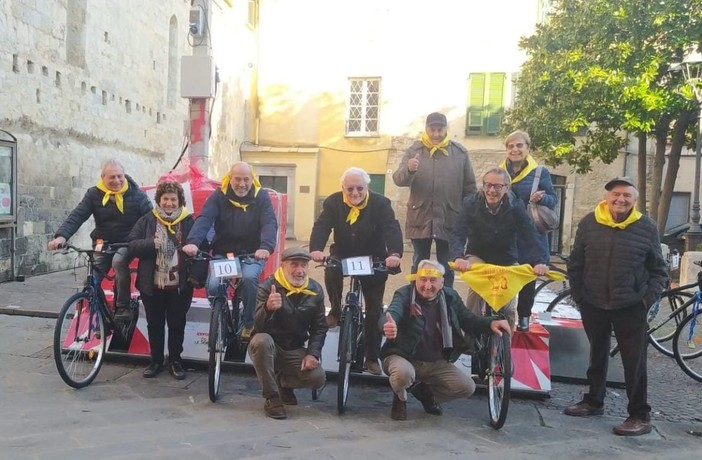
(244, 223)
(116, 203)
(487, 230)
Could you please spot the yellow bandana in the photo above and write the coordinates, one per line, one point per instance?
(427, 272)
(604, 217)
(280, 278)
(225, 184)
(355, 210)
(183, 214)
(496, 284)
(441, 146)
(530, 166)
(119, 195)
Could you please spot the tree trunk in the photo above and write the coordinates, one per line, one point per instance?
(661, 131)
(642, 160)
(678, 141)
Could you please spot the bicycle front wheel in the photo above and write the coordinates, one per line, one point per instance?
(79, 341)
(687, 345)
(216, 347)
(663, 321)
(563, 301)
(499, 378)
(346, 351)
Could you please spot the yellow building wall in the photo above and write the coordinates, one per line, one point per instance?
(305, 177)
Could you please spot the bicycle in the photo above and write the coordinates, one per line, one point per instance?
(687, 339)
(350, 350)
(225, 319)
(86, 322)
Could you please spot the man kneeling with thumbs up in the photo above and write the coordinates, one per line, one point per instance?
(289, 311)
(425, 327)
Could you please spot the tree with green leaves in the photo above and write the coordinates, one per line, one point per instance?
(600, 69)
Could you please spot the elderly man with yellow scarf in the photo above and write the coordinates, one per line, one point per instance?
(289, 312)
(244, 223)
(116, 203)
(425, 326)
(364, 224)
(616, 272)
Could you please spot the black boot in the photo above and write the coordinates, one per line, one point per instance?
(153, 370)
(399, 408)
(423, 393)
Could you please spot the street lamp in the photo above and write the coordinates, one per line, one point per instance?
(691, 68)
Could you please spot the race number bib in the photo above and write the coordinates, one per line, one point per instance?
(226, 268)
(354, 266)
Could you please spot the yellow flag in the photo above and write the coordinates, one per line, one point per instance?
(497, 285)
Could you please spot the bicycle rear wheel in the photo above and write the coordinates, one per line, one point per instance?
(346, 351)
(687, 345)
(661, 318)
(499, 378)
(217, 347)
(563, 301)
(79, 341)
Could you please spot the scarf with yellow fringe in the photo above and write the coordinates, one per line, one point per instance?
(441, 146)
(119, 195)
(355, 210)
(225, 187)
(604, 217)
(530, 166)
(283, 281)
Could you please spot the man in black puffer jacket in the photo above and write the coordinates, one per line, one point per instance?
(116, 203)
(616, 272)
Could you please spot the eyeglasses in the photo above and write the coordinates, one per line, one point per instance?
(519, 145)
(351, 189)
(498, 187)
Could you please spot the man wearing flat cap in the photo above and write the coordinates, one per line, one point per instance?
(289, 312)
(439, 175)
(616, 272)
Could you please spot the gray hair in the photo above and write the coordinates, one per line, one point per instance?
(354, 171)
(433, 264)
(500, 172)
(111, 162)
(518, 133)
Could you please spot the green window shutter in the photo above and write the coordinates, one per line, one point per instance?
(476, 104)
(377, 184)
(495, 107)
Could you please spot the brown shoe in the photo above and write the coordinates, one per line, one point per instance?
(399, 408)
(274, 408)
(287, 395)
(372, 367)
(583, 409)
(332, 321)
(423, 393)
(633, 427)
(246, 332)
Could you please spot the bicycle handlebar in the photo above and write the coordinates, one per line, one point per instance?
(378, 265)
(107, 248)
(201, 255)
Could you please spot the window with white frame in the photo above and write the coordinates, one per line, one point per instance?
(363, 108)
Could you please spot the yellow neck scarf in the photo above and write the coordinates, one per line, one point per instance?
(355, 210)
(497, 284)
(604, 217)
(183, 214)
(119, 195)
(530, 166)
(428, 272)
(225, 185)
(441, 146)
(280, 278)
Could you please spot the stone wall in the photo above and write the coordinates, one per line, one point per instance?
(84, 81)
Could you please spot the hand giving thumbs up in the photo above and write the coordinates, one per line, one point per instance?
(390, 327)
(275, 300)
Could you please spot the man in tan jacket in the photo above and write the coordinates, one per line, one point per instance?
(439, 174)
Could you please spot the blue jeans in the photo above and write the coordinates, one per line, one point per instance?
(422, 250)
(119, 261)
(246, 290)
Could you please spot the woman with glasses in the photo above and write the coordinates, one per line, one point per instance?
(522, 168)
